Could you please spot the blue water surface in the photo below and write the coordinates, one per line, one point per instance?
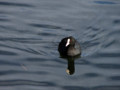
(30, 31)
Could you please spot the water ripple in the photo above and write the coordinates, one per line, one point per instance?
(93, 88)
(22, 40)
(3, 62)
(15, 4)
(25, 82)
(9, 72)
(3, 20)
(74, 88)
(112, 87)
(108, 54)
(117, 21)
(108, 66)
(116, 78)
(92, 41)
(2, 52)
(104, 2)
(90, 75)
(48, 26)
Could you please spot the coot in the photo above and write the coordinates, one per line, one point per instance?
(69, 47)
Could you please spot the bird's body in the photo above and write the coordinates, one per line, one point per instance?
(69, 47)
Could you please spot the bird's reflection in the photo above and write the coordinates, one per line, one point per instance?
(71, 68)
(71, 65)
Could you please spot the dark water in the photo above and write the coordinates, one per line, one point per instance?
(30, 31)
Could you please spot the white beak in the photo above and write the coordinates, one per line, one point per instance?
(68, 42)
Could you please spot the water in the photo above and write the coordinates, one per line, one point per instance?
(30, 31)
